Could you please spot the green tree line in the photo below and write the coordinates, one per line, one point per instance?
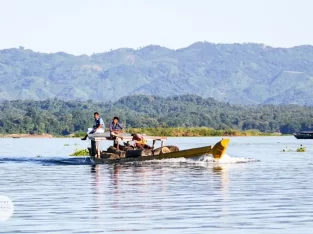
(59, 117)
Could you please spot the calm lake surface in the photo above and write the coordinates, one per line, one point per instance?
(256, 188)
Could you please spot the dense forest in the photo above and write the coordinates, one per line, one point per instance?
(65, 117)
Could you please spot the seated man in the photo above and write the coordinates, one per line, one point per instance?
(115, 127)
(140, 142)
(98, 127)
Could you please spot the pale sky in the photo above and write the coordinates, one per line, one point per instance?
(93, 26)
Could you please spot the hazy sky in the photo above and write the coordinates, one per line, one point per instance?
(91, 26)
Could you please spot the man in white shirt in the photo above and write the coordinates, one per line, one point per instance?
(98, 127)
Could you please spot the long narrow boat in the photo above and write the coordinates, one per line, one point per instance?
(304, 135)
(114, 155)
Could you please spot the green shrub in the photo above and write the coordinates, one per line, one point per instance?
(301, 149)
(80, 152)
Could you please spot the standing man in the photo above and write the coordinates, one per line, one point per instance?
(98, 127)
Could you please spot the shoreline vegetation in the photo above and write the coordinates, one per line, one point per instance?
(170, 132)
(198, 132)
(23, 135)
(186, 115)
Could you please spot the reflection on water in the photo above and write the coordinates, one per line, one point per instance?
(170, 196)
(222, 173)
(96, 187)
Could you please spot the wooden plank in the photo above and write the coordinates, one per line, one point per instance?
(125, 136)
(93, 148)
(98, 138)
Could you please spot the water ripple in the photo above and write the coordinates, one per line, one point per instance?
(259, 190)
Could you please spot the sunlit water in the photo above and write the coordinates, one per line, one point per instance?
(256, 188)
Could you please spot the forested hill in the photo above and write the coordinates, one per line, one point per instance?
(65, 117)
(235, 73)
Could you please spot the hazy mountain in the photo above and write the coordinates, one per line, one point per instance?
(236, 73)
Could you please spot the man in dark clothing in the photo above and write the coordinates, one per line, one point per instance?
(98, 127)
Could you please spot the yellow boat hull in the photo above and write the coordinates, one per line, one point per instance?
(217, 151)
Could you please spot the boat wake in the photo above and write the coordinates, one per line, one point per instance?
(205, 159)
(202, 160)
(46, 161)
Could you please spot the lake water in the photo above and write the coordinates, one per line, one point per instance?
(256, 188)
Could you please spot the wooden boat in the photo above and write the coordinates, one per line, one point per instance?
(113, 155)
(304, 135)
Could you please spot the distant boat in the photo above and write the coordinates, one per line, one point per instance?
(304, 135)
(16, 137)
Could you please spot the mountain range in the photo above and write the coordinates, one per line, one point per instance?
(234, 73)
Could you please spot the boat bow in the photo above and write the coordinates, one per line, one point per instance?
(220, 148)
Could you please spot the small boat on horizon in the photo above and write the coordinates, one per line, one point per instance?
(304, 135)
